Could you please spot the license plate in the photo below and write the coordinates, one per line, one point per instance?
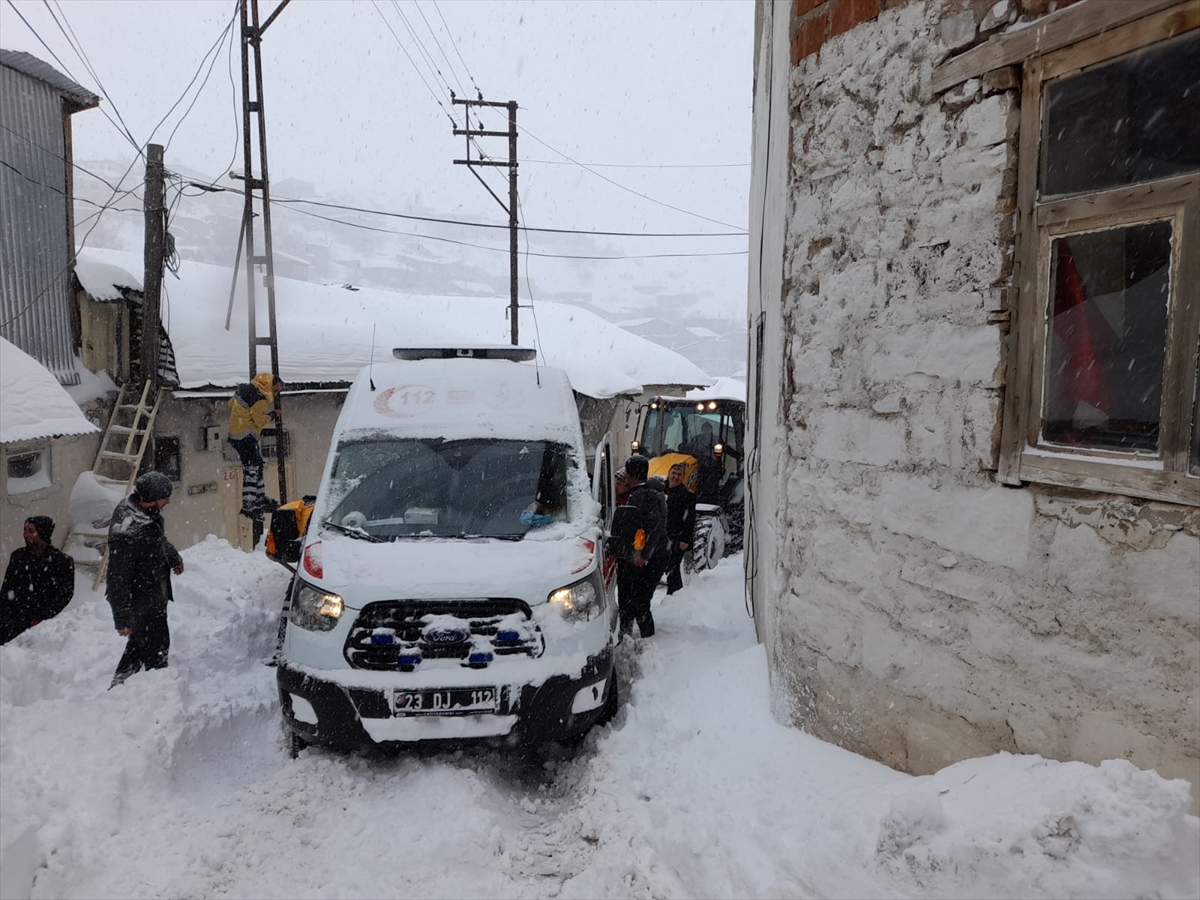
(449, 702)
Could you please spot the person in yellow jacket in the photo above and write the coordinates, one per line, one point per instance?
(250, 408)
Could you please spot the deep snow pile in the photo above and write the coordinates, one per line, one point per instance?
(177, 784)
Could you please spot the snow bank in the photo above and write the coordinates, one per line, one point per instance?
(32, 403)
(76, 757)
(177, 784)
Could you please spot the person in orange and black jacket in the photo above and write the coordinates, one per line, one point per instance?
(250, 408)
(638, 574)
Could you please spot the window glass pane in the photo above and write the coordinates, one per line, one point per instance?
(1134, 119)
(1106, 345)
(167, 458)
(28, 471)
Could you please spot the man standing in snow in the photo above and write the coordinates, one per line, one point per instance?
(39, 581)
(250, 410)
(140, 562)
(638, 574)
(681, 523)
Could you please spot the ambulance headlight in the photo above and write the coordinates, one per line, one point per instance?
(314, 609)
(580, 601)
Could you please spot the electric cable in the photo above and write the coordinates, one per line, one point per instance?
(211, 50)
(124, 132)
(438, 44)
(595, 165)
(446, 240)
(426, 56)
(403, 50)
(216, 188)
(57, 156)
(454, 44)
(585, 168)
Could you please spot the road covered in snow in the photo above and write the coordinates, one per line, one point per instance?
(179, 784)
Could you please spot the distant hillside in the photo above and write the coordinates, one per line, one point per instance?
(311, 243)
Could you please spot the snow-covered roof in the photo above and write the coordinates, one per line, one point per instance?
(722, 389)
(103, 280)
(701, 332)
(325, 331)
(33, 405)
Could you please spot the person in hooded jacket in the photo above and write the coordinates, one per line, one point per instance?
(638, 575)
(249, 411)
(38, 583)
(140, 562)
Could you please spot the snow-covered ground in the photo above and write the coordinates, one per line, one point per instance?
(178, 784)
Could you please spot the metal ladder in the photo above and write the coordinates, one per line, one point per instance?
(118, 460)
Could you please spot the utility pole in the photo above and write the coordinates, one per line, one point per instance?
(257, 190)
(512, 207)
(153, 257)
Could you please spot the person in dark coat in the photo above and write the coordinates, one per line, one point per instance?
(38, 583)
(681, 523)
(140, 562)
(638, 574)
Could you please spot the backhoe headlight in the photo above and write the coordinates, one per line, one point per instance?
(314, 609)
(580, 601)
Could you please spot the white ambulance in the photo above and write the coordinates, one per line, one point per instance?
(452, 583)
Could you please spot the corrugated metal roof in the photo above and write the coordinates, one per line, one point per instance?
(81, 98)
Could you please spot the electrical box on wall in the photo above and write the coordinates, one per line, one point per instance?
(213, 436)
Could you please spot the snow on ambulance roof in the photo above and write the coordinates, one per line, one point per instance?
(33, 404)
(325, 331)
(455, 398)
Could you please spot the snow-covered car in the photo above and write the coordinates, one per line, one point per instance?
(452, 583)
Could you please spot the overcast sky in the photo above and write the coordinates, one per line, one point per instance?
(651, 84)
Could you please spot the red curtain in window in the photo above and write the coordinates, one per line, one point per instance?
(1082, 332)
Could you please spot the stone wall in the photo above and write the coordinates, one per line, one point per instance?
(925, 613)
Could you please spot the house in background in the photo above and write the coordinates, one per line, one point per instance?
(973, 387)
(325, 339)
(45, 439)
(37, 225)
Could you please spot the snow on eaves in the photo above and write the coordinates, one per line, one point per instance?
(103, 280)
(33, 405)
(721, 389)
(325, 332)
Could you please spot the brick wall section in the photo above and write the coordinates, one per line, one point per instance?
(816, 21)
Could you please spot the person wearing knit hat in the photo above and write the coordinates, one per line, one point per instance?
(38, 583)
(140, 562)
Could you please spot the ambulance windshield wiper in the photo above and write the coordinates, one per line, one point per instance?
(352, 532)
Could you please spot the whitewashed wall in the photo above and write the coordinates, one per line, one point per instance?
(913, 609)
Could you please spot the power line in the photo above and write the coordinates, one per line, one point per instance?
(403, 50)
(559, 162)
(454, 44)
(211, 50)
(585, 168)
(58, 156)
(446, 240)
(124, 132)
(212, 188)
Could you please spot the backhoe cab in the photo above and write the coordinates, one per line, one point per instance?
(706, 434)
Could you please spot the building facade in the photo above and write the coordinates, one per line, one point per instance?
(974, 300)
(37, 223)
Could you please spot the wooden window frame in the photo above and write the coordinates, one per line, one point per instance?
(1022, 456)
